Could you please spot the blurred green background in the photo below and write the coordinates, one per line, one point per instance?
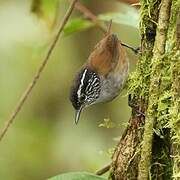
(43, 141)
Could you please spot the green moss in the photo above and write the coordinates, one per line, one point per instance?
(139, 80)
(162, 99)
(171, 42)
(174, 110)
(155, 88)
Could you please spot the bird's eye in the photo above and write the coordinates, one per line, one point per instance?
(83, 97)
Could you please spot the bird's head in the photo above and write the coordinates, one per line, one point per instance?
(85, 91)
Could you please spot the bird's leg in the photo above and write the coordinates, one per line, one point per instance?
(135, 50)
(134, 106)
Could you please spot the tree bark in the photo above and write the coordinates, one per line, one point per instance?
(150, 146)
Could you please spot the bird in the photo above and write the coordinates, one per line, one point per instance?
(102, 77)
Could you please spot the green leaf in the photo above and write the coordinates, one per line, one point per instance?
(77, 176)
(130, 17)
(76, 25)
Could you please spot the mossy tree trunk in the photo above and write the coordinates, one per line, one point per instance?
(150, 146)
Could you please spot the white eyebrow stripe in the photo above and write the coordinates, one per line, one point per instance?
(81, 84)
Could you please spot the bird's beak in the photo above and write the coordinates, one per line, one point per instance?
(77, 115)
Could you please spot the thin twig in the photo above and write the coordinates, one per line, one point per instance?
(90, 16)
(136, 4)
(128, 1)
(87, 13)
(27, 92)
(103, 170)
(109, 27)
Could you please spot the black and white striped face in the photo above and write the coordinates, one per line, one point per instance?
(86, 89)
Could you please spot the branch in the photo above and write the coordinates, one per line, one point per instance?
(103, 170)
(90, 16)
(30, 87)
(159, 50)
